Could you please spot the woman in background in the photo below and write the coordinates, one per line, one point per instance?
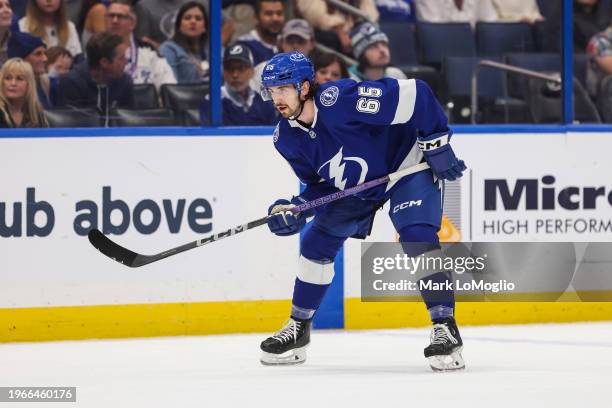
(92, 19)
(47, 19)
(186, 51)
(19, 106)
(328, 67)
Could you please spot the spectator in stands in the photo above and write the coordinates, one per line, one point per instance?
(145, 65)
(512, 11)
(263, 39)
(156, 19)
(590, 18)
(332, 25)
(371, 48)
(455, 11)
(99, 82)
(19, 106)
(6, 18)
(33, 50)
(59, 61)
(187, 51)
(241, 105)
(599, 50)
(92, 19)
(328, 67)
(47, 19)
(241, 14)
(297, 35)
(396, 10)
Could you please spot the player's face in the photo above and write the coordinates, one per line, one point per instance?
(378, 55)
(332, 72)
(285, 100)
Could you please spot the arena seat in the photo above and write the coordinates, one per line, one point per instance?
(73, 117)
(497, 39)
(180, 97)
(191, 117)
(145, 96)
(439, 40)
(404, 54)
(142, 117)
(544, 62)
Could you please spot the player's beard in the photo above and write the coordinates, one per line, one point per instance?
(289, 112)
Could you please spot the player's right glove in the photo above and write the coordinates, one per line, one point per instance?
(284, 222)
(440, 156)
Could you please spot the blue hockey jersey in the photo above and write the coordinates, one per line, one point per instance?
(361, 131)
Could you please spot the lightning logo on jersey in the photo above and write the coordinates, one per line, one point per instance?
(337, 165)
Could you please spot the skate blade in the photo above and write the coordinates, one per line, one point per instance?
(453, 361)
(291, 357)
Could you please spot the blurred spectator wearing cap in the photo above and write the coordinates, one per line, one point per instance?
(455, 11)
(19, 106)
(599, 50)
(32, 49)
(145, 65)
(6, 19)
(241, 105)
(328, 67)
(396, 11)
(47, 19)
(371, 48)
(297, 35)
(100, 82)
(332, 25)
(187, 51)
(59, 61)
(263, 39)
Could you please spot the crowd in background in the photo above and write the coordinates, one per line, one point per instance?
(91, 53)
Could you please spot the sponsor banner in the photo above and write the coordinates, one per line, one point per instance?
(537, 187)
(487, 271)
(148, 194)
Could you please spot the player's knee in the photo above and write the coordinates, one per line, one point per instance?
(419, 238)
(419, 233)
(315, 272)
(320, 246)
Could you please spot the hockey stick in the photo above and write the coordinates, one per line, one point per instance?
(134, 260)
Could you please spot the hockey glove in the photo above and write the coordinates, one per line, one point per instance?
(440, 156)
(284, 222)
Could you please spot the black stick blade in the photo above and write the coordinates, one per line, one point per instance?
(111, 249)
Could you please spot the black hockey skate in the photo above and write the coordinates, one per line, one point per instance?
(444, 352)
(287, 346)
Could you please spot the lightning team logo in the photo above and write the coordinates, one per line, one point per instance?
(337, 166)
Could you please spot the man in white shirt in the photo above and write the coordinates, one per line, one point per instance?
(455, 11)
(145, 65)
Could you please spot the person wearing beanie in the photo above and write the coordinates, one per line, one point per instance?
(371, 49)
(32, 49)
(241, 105)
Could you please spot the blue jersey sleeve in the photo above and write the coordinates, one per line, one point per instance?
(385, 102)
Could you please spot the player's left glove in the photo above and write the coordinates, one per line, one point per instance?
(283, 222)
(440, 156)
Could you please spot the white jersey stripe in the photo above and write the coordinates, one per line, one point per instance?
(407, 99)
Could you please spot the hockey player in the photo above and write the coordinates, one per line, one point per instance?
(338, 135)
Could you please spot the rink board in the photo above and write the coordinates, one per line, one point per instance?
(57, 287)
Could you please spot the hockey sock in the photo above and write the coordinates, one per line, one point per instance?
(440, 299)
(306, 299)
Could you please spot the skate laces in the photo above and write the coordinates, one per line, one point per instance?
(440, 334)
(288, 332)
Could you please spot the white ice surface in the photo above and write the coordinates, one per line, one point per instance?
(561, 365)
